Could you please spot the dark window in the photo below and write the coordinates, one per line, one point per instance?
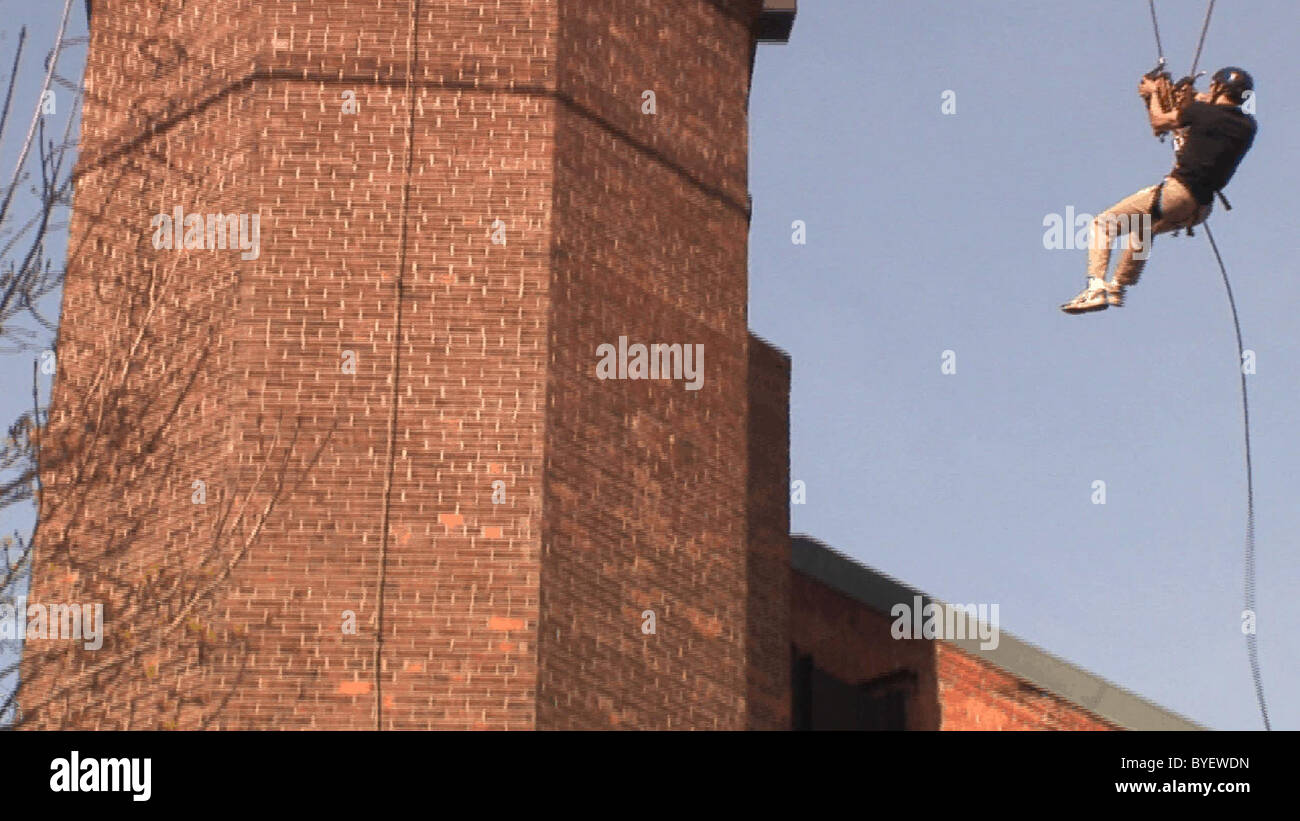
(825, 702)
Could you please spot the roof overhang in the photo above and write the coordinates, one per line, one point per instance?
(881, 592)
(775, 21)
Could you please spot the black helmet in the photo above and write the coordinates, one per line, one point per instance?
(1235, 80)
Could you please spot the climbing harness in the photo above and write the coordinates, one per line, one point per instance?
(1171, 96)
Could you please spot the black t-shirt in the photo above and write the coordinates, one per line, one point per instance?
(1212, 141)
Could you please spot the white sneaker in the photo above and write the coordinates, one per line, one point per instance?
(1094, 297)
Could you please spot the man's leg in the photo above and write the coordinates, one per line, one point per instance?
(1110, 224)
(1178, 209)
(1115, 222)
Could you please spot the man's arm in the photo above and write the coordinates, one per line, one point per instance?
(1161, 121)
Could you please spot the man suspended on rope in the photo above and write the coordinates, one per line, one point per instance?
(1211, 135)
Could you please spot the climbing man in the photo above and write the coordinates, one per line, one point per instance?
(1211, 135)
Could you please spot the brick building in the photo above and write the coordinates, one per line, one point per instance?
(850, 671)
(361, 472)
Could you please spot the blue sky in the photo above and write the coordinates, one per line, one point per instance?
(925, 234)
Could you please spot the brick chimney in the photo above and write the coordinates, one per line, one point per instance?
(365, 474)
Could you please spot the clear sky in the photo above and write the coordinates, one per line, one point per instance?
(925, 234)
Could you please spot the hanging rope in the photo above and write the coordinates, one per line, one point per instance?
(1252, 650)
(1196, 61)
(1160, 50)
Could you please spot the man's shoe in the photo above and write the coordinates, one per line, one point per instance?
(1115, 294)
(1094, 297)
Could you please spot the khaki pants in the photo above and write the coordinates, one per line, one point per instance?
(1179, 209)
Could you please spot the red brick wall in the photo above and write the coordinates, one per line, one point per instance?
(955, 689)
(142, 405)
(976, 695)
(767, 648)
(852, 642)
(460, 594)
(475, 362)
(645, 481)
(460, 573)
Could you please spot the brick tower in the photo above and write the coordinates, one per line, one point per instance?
(362, 473)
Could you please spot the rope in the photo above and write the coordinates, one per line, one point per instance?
(1204, 28)
(1251, 649)
(1160, 50)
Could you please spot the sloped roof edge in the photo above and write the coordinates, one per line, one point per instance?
(881, 592)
